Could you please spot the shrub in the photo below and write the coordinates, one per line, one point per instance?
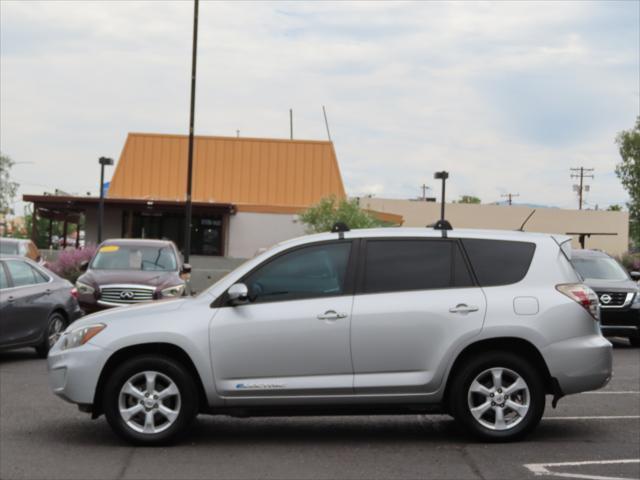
(631, 261)
(68, 263)
(322, 216)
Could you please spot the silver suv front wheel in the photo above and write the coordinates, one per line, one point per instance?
(149, 402)
(150, 399)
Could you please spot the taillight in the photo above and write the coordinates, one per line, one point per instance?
(583, 295)
(74, 292)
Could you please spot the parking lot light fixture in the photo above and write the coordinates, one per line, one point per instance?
(443, 175)
(103, 162)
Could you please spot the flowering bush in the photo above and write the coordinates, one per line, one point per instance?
(68, 263)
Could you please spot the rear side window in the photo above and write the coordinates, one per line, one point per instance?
(21, 273)
(499, 262)
(402, 265)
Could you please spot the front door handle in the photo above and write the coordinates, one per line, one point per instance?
(463, 308)
(331, 315)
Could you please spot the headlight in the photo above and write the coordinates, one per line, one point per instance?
(84, 288)
(636, 300)
(174, 291)
(80, 336)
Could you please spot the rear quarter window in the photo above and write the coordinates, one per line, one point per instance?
(499, 262)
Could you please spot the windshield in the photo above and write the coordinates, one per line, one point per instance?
(600, 268)
(9, 248)
(131, 257)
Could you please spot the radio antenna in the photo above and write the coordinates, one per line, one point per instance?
(521, 229)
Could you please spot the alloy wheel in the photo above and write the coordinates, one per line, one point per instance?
(499, 398)
(55, 330)
(149, 402)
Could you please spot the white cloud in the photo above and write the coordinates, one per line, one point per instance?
(505, 95)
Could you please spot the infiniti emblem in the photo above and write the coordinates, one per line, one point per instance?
(605, 299)
(127, 295)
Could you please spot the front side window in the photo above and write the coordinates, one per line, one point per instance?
(599, 268)
(21, 273)
(309, 272)
(131, 257)
(413, 264)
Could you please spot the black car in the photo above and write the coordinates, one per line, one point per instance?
(617, 290)
(35, 305)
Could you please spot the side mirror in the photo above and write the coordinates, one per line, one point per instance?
(635, 275)
(84, 265)
(238, 293)
(186, 268)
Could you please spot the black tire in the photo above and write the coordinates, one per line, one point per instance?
(168, 369)
(634, 341)
(55, 327)
(459, 395)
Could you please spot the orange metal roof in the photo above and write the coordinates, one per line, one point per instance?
(252, 173)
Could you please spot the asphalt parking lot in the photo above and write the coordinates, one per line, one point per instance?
(589, 436)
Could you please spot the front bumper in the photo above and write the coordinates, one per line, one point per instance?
(620, 322)
(580, 364)
(74, 373)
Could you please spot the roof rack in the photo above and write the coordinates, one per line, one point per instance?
(442, 224)
(340, 227)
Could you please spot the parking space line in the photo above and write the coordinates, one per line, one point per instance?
(613, 392)
(540, 469)
(596, 417)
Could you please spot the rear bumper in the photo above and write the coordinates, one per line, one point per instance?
(580, 364)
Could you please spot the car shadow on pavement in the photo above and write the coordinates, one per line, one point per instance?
(269, 431)
(18, 355)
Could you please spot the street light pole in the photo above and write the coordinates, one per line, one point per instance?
(103, 161)
(188, 213)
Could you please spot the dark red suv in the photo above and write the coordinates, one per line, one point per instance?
(131, 271)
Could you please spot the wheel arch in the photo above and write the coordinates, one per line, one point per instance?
(161, 349)
(514, 345)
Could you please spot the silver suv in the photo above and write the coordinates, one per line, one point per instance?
(478, 324)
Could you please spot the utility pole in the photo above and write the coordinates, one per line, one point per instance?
(187, 220)
(510, 196)
(424, 192)
(581, 173)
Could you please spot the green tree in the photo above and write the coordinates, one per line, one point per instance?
(468, 199)
(322, 216)
(614, 208)
(628, 170)
(7, 187)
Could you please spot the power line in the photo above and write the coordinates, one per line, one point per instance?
(510, 197)
(581, 173)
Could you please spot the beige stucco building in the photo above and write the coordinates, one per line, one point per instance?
(548, 220)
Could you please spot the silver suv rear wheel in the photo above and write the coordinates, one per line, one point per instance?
(498, 398)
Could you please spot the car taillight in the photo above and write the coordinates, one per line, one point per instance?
(583, 295)
(74, 292)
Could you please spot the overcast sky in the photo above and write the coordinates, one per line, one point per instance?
(507, 96)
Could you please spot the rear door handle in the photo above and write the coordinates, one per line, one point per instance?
(463, 308)
(331, 315)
